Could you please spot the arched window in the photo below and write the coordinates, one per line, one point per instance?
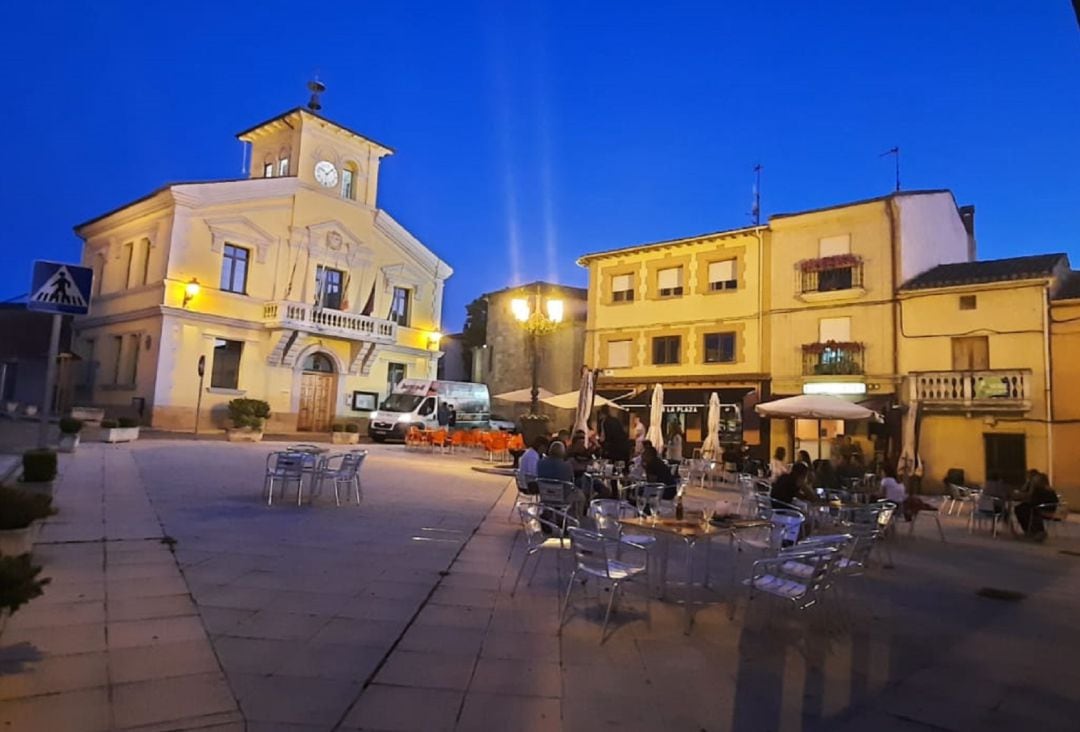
(268, 166)
(283, 162)
(319, 362)
(348, 181)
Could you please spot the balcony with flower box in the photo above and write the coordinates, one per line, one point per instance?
(836, 277)
(996, 390)
(833, 358)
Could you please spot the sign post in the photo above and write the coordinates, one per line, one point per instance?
(198, 397)
(60, 289)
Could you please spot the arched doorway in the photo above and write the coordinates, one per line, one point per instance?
(318, 385)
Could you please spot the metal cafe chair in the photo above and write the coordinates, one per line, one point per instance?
(544, 529)
(343, 470)
(284, 467)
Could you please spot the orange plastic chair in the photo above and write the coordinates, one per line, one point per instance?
(517, 442)
(499, 442)
(412, 437)
(438, 439)
(457, 440)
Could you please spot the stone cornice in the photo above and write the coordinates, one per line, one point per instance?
(412, 246)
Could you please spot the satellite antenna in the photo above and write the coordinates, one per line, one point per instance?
(316, 88)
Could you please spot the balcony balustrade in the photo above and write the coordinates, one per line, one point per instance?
(325, 321)
(832, 359)
(1002, 390)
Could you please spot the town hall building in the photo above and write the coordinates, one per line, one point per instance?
(291, 285)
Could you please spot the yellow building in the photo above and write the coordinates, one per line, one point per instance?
(687, 313)
(975, 344)
(1065, 381)
(834, 274)
(292, 284)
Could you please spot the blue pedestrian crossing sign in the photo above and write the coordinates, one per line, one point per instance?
(60, 288)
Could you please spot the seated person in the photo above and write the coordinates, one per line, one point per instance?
(530, 461)
(895, 491)
(825, 476)
(579, 454)
(554, 466)
(790, 486)
(995, 486)
(1038, 493)
(657, 471)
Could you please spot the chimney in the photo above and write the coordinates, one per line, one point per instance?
(967, 215)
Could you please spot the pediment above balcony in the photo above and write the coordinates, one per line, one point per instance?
(239, 230)
(333, 241)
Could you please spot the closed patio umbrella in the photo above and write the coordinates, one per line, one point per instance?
(655, 435)
(710, 448)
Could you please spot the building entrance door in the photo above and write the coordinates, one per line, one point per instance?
(1006, 455)
(318, 385)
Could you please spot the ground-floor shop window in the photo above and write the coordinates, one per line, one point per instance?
(226, 369)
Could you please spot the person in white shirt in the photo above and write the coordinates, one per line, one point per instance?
(778, 465)
(893, 489)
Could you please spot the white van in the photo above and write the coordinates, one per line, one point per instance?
(416, 403)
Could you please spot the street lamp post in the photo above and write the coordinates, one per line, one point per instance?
(538, 316)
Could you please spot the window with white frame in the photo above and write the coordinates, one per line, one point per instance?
(129, 257)
(348, 183)
(145, 261)
(225, 369)
(131, 359)
(722, 275)
(622, 288)
(669, 282)
(118, 358)
(283, 162)
(268, 169)
(234, 268)
(400, 306)
(618, 354)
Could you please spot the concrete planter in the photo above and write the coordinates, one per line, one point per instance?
(243, 434)
(345, 438)
(14, 542)
(68, 443)
(38, 488)
(119, 434)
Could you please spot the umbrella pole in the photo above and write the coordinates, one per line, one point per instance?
(819, 439)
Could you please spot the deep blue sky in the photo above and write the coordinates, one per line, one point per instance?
(565, 127)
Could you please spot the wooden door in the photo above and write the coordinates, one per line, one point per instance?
(971, 353)
(316, 402)
(1006, 456)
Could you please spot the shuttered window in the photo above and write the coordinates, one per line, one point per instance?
(622, 288)
(670, 282)
(722, 275)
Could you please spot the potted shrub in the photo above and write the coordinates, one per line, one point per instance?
(248, 417)
(124, 429)
(19, 584)
(69, 433)
(20, 513)
(346, 434)
(39, 466)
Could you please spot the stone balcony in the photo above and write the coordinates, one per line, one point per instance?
(999, 390)
(328, 322)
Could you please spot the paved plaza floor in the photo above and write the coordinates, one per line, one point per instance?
(180, 601)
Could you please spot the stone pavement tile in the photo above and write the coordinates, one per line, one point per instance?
(454, 616)
(532, 620)
(151, 587)
(279, 626)
(254, 655)
(345, 661)
(144, 663)
(86, 710)
(275, 727)
(53, 674)
(464, 596)
(59, 641)
(132, 633)
(375, 609)
(432, 670)
(221, 722)
(141, 571)
(878, 721)
(517, 676)
(360, 632)
(164, 700)
(309, 603)
(68, 592)
(587, 713)
(482, 581)
(526, 646)
(440, 639)
(58, 614)
(236, 597)
(220, 620)
(388, 589)
(145, 608)
(293, 700)
(532, 713)
(405, 709)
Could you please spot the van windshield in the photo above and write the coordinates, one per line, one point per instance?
(401, 402)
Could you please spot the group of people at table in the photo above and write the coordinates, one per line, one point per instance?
(812, 482)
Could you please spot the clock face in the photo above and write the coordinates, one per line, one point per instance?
(326, 173)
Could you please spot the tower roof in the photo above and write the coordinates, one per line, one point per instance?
(297, 114)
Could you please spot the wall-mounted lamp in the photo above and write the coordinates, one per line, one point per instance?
(433, 340)
(191, 289)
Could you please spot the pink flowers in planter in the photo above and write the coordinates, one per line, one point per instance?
(847, 346)
(836, 261)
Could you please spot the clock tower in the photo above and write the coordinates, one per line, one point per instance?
(331, 158)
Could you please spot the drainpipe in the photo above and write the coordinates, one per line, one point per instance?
(894, 305)
(1048, 393)
(764, 435)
